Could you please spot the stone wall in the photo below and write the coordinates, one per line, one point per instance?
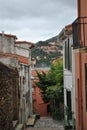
(16, 95)
(8, 97)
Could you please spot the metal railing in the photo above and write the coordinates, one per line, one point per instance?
(79, 27)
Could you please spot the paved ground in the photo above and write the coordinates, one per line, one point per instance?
(45, 123)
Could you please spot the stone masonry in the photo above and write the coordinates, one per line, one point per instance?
(8, 105)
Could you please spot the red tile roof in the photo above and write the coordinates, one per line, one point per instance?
(34, 74)
(9, 35)
(69, 27)
(20, 58)
(23, 42)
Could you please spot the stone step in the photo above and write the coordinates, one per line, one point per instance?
(15, 122)
(19, 127)
(33, 116)
(31, 120)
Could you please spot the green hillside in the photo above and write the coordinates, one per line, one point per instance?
(44, 53)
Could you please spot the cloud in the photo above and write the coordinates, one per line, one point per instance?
(17, 9)
(36, 19)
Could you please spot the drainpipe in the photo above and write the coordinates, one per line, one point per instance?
(2, 42)
(73, 89)
(31, 109)
(80, 85)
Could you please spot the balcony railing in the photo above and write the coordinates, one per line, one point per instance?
(80, 32)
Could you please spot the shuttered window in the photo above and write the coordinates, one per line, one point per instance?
(65, 55)
(68, 55)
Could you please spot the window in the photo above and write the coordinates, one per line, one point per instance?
(48, 108)
(69, 104)
(65, 55)
(68, 65)
(69, 99)
(68, 55)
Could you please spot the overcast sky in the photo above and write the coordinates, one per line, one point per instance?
(35, 20)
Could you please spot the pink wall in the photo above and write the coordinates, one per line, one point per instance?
(39, 105)
(82, 8)
(80, 96)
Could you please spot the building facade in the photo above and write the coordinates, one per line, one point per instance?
(68, 68)
(23, 49)
(18, 54)
(80, 52)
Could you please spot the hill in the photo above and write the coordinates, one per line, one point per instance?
(53, 39)
(45, 52)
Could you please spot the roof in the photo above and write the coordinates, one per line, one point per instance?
(69, 27)
(21, 59)
(9, 35)
(34, 74)
(24, 42)
(67, 30)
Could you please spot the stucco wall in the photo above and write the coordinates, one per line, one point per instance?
(6, 44)
(39, 106)
(80, 89)
(22, 52)
(82, 8)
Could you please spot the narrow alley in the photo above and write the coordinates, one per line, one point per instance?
(46, 123)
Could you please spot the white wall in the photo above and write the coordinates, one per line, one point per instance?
(22, 52)
(9, 61)
(7, 44)
(69, 79)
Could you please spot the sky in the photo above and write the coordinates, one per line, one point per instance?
(35, 20)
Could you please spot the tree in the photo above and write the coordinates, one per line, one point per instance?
(51, 85)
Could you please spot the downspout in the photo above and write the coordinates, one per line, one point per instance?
(30, 82)
(80, 85)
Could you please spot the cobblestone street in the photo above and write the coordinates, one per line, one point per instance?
(45, 123)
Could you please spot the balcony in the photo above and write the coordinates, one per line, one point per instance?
(79, 27)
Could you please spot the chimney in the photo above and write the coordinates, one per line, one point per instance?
(2, 33)
(2, 39)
